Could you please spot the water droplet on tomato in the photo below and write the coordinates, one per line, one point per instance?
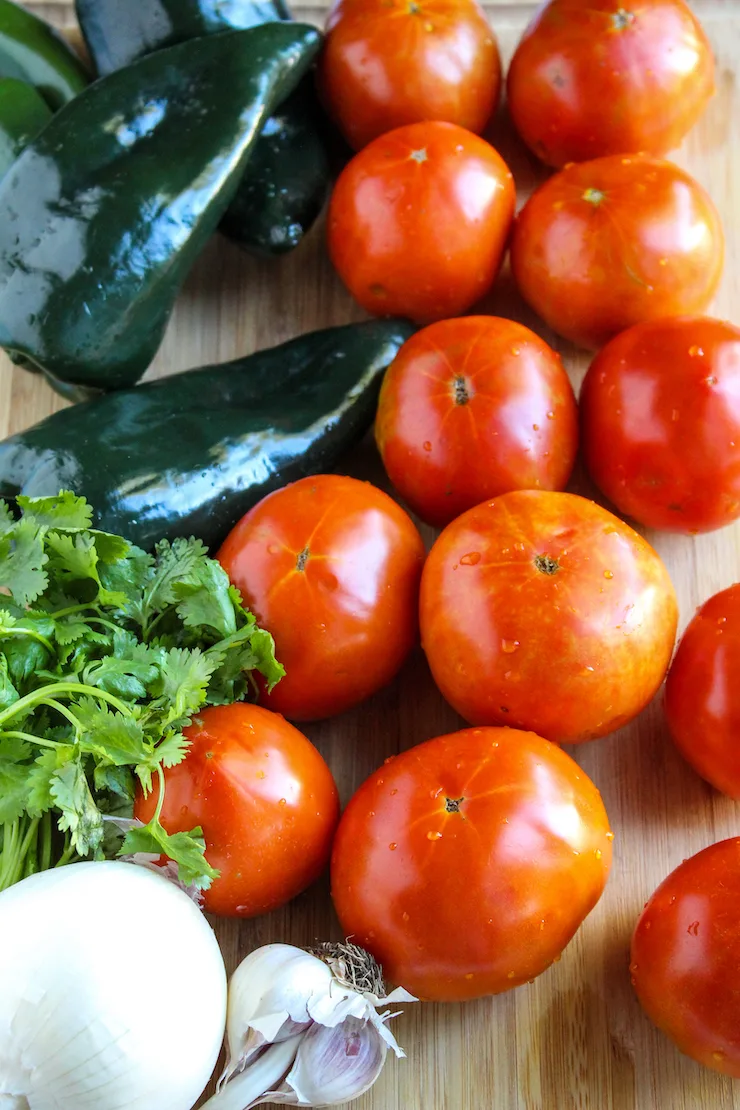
(404, 916)
(718, 1056)
(557, 959)
(434, 836)
(551, 416)
(608, 574)
(693, 929)
(427, 445)
(542, 925)
(507, 674)
(610, 836)
(535, 427)
(471, 559)
(516, 351)
(469, 975)
(519, 547)
(273, 549)
(393, 793)
(695, 351)
(511, 975)
(510, 646)
(393, 846)
(260, 774)
(283, 802)
(598, 853)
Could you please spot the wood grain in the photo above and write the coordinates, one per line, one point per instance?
(576, 1038)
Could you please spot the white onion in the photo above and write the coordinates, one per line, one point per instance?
(112, 992)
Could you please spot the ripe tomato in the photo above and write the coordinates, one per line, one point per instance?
(266, 802)
(660, 412)
(610, 243)
(702, 696)
(609, 77)
(686, 957)
(418, 221)
(390, 62)
(466, 864)
(472, 408)
(331, 567)
(544, 611)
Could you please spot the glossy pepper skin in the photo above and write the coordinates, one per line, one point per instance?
(23, 115)
(32, 51)
(190, 454)
(102, 217)
(287, 180)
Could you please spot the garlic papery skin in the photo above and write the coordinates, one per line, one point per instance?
(314, 1014)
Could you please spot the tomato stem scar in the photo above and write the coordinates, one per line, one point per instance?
(452, 805)
(622, 18)
(546, 565)
(302, 559)
(593, 196)
(462, 393)
(419, 155)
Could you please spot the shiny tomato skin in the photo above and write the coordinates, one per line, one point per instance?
(660, 413)
(702, 694)
(609, 77)
(457, 905)
(472, 408)
(543, 611)
(265, 799)
(418, 221)
(387, 63)
(331, 567)
(610, 243)
(686, 957)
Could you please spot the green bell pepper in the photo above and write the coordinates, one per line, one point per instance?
(32, 51)
(102, 217)
(23, 115)
(190, 454)
(288, 177)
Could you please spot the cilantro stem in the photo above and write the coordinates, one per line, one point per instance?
(66, 856)
(160, 799)
(45, 693)
(40, 740)
(30, 635)
(54, 704)
(46, 834)
(72, 610)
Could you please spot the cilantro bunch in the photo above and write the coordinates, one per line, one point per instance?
(106, 652)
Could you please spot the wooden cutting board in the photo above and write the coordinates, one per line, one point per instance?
(576, 1038)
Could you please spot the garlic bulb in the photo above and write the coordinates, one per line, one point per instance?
(303, 1028)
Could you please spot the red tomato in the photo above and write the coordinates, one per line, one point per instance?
(605, 245)
(266, 802)
(387, 63)
(660, 411)
(609, 77)
(544, 611)
(466, 864)
(702, 695)
(686, 957)
(472, 408)
(418, 221)
(331, 567)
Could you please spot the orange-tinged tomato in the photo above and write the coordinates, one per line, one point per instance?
(543, 611)
(660, 412)
(472, 408)
(609, 77)
(387, 63)
(702, 692)
(265, 799)
(686, 957)
(331, 567)
(607, 244)
(418, 221)
(466, 864)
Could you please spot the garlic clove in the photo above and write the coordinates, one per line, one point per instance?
(270, 995)
(333, 1065)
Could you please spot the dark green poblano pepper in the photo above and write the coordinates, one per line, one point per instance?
(190, 454)
(23, 115)
(32, 51)
(288, 177)
(103, 215)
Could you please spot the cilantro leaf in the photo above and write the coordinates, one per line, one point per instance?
(184, 679)
(112, 738)
(72, 558)
(7, 520)
(126, 678)
(186, 849)
(65, 511)
(39, 778)
(177, 564)
(14, 755)
(80, 816)
(8, 692)
(110, 548)
(207, 603)
(22, 559)
(115, 780)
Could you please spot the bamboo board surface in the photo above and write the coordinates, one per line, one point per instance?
(576, 1038)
